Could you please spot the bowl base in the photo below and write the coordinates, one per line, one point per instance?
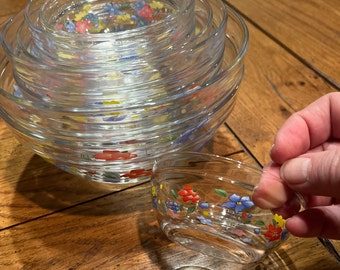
(210, 244)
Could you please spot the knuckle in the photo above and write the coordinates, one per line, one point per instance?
(329, 173)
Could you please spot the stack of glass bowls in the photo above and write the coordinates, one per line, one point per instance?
(101, 89)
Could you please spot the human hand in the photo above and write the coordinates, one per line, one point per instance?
(306, 162)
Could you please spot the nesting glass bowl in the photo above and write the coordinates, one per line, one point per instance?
(203, 202)
(154, 77)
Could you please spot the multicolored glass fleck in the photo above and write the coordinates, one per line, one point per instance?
(234, 215)
(112, 17)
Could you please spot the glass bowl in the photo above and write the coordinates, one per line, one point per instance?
(137, 78)
(76, 139)
(89, 123)
(203, 202)
(55, 23)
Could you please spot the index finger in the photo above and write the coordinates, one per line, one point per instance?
(308, 128)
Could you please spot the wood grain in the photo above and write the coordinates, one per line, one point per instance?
(275, 85)
(117, 232)
(10, 7)
(310, 30)
(52, 220)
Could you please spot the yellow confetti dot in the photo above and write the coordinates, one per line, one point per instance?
(124, 19)
(65, 56)
(80, 118)
(160, 119)
(87, 7)
(79, 16)
(205, 213)
(156, 5)
(153, 191)
(35, 118)
(111, 102)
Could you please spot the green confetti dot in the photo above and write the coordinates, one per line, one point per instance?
(221, 192)
(125, 5)
(174, 194)
(259, 223)
(191, 209)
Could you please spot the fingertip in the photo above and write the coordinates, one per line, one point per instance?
(299, 227)
(262, 200)
(292, 139)
(276, 152)
(270, 194)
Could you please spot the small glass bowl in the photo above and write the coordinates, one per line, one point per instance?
(203, 202)
(133, 25)
(134, 77)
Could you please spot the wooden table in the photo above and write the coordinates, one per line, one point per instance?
(50, 219)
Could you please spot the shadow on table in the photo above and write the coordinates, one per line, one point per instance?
(95, 232)
(115, 231)
(166, 255)
(51, 188)
(48, 187)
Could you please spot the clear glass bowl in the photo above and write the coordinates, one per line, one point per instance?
(203, 202)
(85, 122)
(166, 75)
(72, 138)
(115, 26)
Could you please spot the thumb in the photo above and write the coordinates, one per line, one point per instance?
(315, 173)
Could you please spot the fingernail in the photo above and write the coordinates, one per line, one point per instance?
(271, 149)
(295, 171)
